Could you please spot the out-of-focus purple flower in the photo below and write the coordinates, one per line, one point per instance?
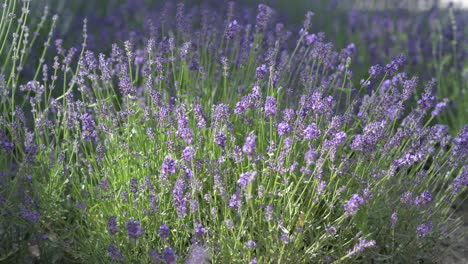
(283, 128)
(251, 244)
(361, 246)
(188, 153)
(112, 226)
(261, 71)
(393, 219)
(310, 156)
(134, 229)
(170, 256)
(395, 65)
(424, 229)
(220, 113)
(235, 201)
(180, 201)
(407, 198)
(115, 254)
(232, 29)
(155, 256)
(264, 14)
(253, 261)
(310, 39)
(352, 205)
(168, 166)
(460, 181)
(5, 143)
(270, 106)
(134, 185)
(198, 255)
(200, 230)
(199, 115)
(229, 224)
(246, 178)
(30, 215)
(88, 127)
(311, 132)
(423, 199)
(153, 203)
(220, 139)
(249, 145)
(164, 231)
(124, 196)
(440, 107)
(321, 187)
(269, 210)
(460, 149)
(339, 138)
(375, 71)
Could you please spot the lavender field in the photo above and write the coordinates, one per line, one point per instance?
(139, 131)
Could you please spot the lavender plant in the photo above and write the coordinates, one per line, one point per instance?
(211, 140)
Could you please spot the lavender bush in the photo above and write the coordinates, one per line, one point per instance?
(212, 140)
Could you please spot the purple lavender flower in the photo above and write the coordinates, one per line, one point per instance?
(246, 178)
(232, 30)
(169, 256)
(180, 201)
(5, 143)
(199, 115)
(395, 65)
(460, 181)
(235, 201)
(112, 225)
(164, 231)
(424, 229)
(440, 107)
(375, 71)
(134, 229)
(310, 156)
(220, 139)
(200, 230)
(251, 244)
(188, 154)
(249, 145)
(88, 127)
(283, 129)
(220, 113)
(261, 71)
(361, 246)
(352, 205)
(311, 132)
(270, 106)
(393, 219)
(460, 148)
(407, 198)
(134, 185)
(114, 253)
(264, 14)
(124, 196)
(339, 138)
(229, 224)
(168, 166)
(269, 210)
(198, 255)
(153, 203)
(30, 215)
(423, 199)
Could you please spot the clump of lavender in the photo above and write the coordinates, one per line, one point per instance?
(134, 229)
(293, 157)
